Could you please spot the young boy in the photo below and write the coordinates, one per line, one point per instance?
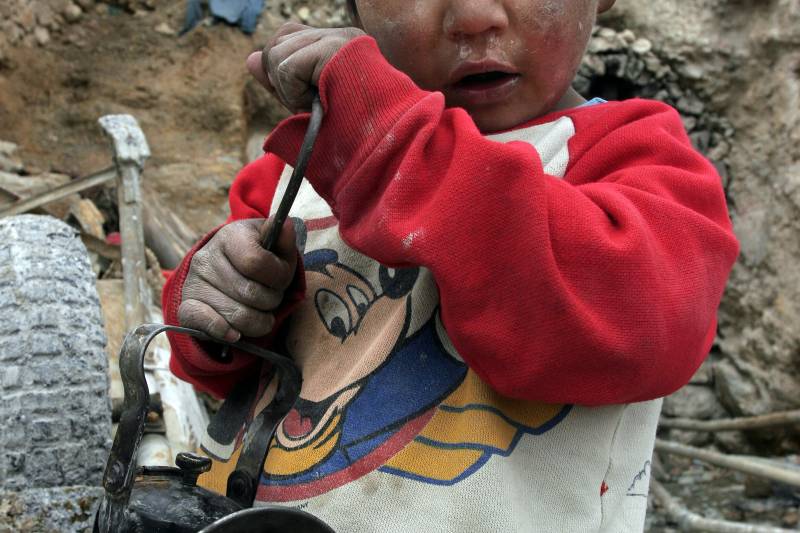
(496, 281)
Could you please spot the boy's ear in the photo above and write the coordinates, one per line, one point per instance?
(605, 5)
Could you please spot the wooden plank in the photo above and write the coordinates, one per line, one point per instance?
(755, 466)
(24, 205)
(785, 418)
(165, 232)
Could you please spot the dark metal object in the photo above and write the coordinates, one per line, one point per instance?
(272, 227)
(167, 499)
(243, 482)
(269, 519)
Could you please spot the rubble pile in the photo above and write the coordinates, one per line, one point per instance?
(33, 22)
(620, 65)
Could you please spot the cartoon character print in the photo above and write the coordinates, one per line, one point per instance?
(383, 390)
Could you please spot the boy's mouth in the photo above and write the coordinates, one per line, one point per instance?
(482, 83)
(484, 80)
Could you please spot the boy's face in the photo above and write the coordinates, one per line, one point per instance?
(504, 61)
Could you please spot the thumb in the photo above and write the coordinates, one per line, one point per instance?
(286, 247)
(256, 69)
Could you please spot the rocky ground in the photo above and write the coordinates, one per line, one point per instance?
(731, 68)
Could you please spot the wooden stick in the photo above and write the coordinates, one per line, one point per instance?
(786, 418)
(91, 242)
(130, 152)
(165, 232)
(751, 465)
(101, 247)
(7, 196)
(24, 205)
(689, 521)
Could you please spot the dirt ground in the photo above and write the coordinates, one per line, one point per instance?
(188, 93)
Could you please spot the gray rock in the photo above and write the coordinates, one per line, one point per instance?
(693, 401)
(55, 414)
(72, 12)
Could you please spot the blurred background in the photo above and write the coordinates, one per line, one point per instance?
(731, 67)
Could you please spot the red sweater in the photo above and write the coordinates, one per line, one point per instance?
(596, 286)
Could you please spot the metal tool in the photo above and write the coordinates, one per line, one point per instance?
(165, 499)
(271, 229)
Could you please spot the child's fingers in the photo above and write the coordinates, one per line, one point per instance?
(286, 29)
(250, 322)
(255, 61)
(199, 315)
(243, 249)
(256, 70)
(227, 279)
(289, 68)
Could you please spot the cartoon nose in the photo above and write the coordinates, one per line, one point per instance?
(469, 18)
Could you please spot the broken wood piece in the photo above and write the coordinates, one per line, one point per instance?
(184, 415)
(24, 205)
(754, 466)
(130, 152)
(165, 232)
(690, 521)
(154, 450)
(7, 197)
(89, 217)
(101, 247)
(786, 418)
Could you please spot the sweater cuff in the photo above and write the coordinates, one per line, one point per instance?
(363, 97)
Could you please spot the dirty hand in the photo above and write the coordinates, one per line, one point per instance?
(234, 284)
(294, 59)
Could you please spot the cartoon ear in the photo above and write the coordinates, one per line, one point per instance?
(397, 282)
(318, 260)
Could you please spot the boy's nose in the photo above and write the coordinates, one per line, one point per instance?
(468, 18)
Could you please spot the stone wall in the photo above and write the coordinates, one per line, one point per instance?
(742, 60)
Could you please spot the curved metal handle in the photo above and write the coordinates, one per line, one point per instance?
(272, 227)
(121, 466)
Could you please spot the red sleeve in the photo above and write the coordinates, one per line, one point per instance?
(250, 197)
(598, 288)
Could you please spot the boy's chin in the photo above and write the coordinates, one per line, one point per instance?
(492, 120)
(505, 117)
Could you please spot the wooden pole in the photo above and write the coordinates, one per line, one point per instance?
(130, 153)
(786, 418)
(165, 232)
(689, 521)
(25, 205)
(750, 465)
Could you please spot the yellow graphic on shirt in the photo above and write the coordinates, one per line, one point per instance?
(472, 424)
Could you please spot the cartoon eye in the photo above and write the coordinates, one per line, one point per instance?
(334, 313)
(360, 299)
